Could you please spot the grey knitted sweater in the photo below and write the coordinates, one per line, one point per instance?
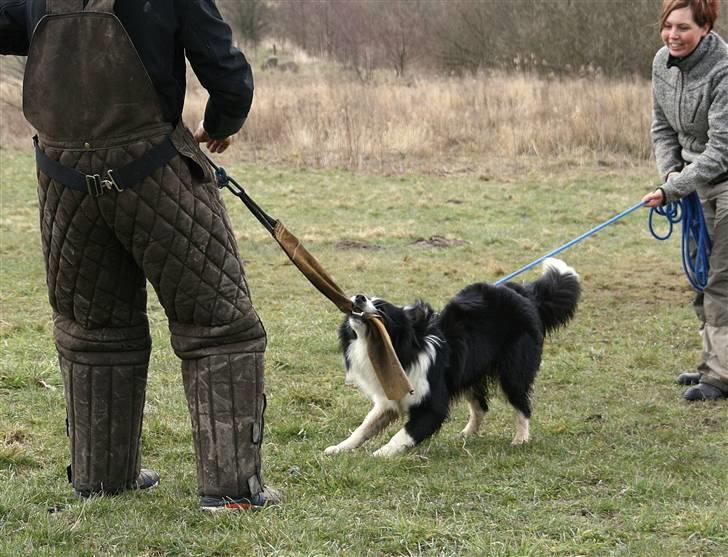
(690, 116)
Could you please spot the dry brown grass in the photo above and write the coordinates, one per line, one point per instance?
(322, 117)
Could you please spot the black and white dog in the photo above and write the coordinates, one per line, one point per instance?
(487, 335)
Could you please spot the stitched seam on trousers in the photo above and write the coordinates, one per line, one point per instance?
(89, 463)
(211, 417)
(202, 480)
(131, 457)
(72, 400)
(110, 412)
(236, 437)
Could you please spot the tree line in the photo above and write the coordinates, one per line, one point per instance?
(608, 37)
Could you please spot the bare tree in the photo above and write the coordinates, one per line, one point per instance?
(400, 27)
(251, 18)
(613, 37)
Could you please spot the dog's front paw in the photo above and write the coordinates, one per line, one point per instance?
(387, 451)
(520, 439)
(467, 432)
(335, 449)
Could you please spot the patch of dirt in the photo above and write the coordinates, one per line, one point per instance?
(437, 241)
(356, 244)
(14, 437)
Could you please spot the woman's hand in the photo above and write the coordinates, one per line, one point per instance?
(657, 197)
(213, 145)
(654, 199)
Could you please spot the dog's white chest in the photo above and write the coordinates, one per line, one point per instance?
(362, 374)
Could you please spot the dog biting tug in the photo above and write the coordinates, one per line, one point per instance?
(486, 336)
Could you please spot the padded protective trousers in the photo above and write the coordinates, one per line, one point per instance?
(172, 230)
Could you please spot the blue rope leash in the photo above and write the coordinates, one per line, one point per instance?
(571, 243)
(695, 240)
(696, 244)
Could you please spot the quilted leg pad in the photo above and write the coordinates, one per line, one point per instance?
(105, 393)
(226, 402)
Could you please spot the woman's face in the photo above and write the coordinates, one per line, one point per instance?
(681, 34)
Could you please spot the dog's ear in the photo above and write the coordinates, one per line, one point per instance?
(419, 312)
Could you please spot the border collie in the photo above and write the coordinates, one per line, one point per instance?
(486, 336)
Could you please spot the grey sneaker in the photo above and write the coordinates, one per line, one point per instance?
(267, 498)
(147, 479)
(688, 378)
(704, 391)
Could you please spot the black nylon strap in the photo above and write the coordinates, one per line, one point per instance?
(119, 179)
(55, 170)
(138, 169)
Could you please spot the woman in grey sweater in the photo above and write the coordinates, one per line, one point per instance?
(690, 139)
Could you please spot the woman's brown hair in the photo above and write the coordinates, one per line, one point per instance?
(704, 11)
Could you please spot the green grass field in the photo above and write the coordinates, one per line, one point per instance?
(618, 465)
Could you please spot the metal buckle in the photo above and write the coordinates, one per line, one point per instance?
(93, 185)
(96, 186)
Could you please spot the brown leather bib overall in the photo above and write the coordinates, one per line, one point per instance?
(89, 96)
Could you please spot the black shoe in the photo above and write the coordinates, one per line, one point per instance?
(704, 391)
(688, 378)
(147, 479)
(266, 498)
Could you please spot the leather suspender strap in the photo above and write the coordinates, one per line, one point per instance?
(118, 179)
(63, 6)
(71, 6)
(106, 6)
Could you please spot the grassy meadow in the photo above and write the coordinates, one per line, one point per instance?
(403, 189)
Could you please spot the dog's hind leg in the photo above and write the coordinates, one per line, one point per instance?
(518, 396)
(378, 418)
(516, 376)
(522, 435)
(422, 424)
(478, 405)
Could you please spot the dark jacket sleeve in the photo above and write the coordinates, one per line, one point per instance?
(221, 68)
(13, 33)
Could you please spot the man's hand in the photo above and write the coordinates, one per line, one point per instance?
(213, 145)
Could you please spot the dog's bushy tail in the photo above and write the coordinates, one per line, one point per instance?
(557, 293)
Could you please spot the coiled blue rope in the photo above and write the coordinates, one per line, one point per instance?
(696, 244)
